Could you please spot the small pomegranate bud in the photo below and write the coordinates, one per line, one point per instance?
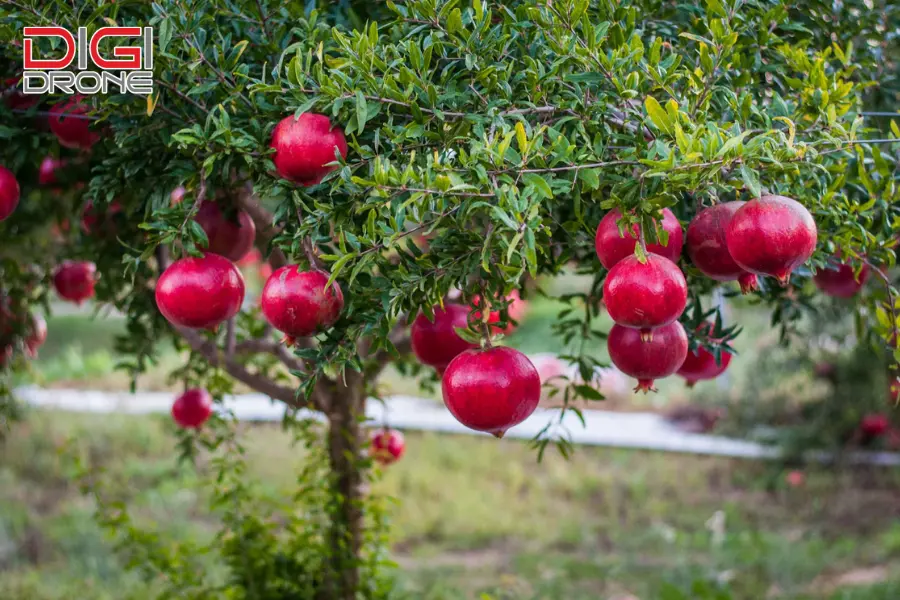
(645, 295)
(707, 248)
(771, 236)
(9, 193)
(231, 236)
(200, 293)
(387, 446)
(192, 408)
(491, 390)
(74, 281)
(47, 170)
(701, 364)
(647, 361)
(304, 146)
(841, 280)
(296, 302)
(69, 126)
(612, 246)
(436, 343)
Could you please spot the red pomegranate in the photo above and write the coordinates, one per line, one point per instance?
(648, 360)
(9, 193)
(645, 295)
(874, 425)
(200, 293)
(69, 125)
(74, 280)
(95, 222)
(230, 235)
(795, 479)
(436, 343)
(47, 171)
(707, 248)
(516, 310)
(387, 446)
(701, 363)
(304, 146)
(15, 98)
(296, 302)
(612, 246)
(771, 236)
(841, 281)
(37, 335)
(192, 408)
(491, 390)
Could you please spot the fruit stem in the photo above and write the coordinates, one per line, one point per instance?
(310, 253)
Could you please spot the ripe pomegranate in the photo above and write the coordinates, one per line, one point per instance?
(436, 343)
(795, 479)
(200, 293)
(96, 222)
(648, 360)
(68, 124)
(701, 363)
(192, 408)
(645, 295)
(304, 146)
(9, 193)
(47, 171)
(387, 446)
(516, 310)
(230, 235)
(874, 425)
(37, 335)
(612, 246)
(707, 248)
(74, 280)
(15, 98)
(841, 281)
(772, 235)
(491, 390)
(296, 302)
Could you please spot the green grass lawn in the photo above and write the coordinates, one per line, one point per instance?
(476, 516)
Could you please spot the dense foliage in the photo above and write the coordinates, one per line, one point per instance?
(486, 141)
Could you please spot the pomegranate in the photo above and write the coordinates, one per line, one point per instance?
(841, 281)
(771, 236)
(491, 390)
(192, 408)
(701, 363)
(874, 425)
(515, 309)
(296, 302)
(387, 446)
(9, 193)
(74, 280)
(612, 246)
(68, 124)
(304, 146)
(648, 360)
(47, 171)
(15, 98)
(230, 235)
(436, 343)
(37, 335)
(707, 248)
(94, 222)
(200, 293)
(645, 295)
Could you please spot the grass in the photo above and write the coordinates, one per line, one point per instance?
(475, 516)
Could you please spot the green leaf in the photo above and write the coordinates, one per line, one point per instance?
(590, 177)
(454, 21)
(336, 268)
(539, 184)
(362, 111)
(587, 392)
(165, 35)
(751, 180)
(657, 114)
(731, 144)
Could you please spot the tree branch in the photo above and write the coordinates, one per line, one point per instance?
(265, 228)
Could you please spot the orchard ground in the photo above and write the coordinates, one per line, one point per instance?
(475, 516)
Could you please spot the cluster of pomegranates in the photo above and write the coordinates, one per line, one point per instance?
(731, 241)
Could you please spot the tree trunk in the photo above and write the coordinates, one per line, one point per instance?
(345, 454)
